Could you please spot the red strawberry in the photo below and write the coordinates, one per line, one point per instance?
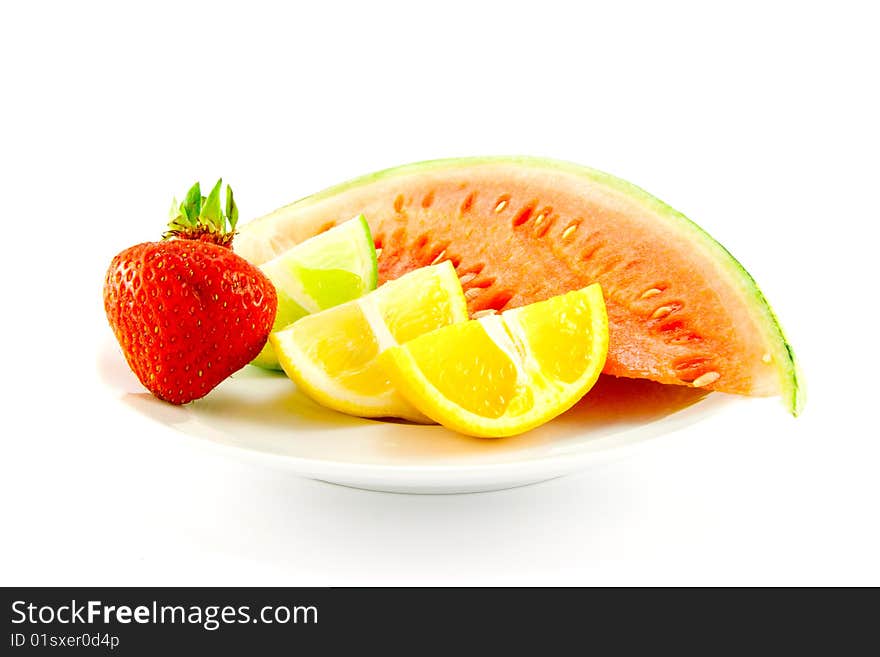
(187, 311)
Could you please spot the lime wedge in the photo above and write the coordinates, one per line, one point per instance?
(336, 266)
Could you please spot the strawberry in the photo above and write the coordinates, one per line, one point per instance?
(187, 311)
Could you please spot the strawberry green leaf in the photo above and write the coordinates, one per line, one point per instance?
(211, 213)
(174, 212)
(184, 216)
(202, 217)
(231, 209)
(192, 206)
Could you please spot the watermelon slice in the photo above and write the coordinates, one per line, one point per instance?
(681, 309)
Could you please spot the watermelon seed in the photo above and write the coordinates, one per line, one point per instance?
(672, 326)
(379, 252)
(706, 379)
(524, 214)
(502, 203)
(569, 230)
(684, 339)
(690, 363)
(439, 257)
(420, 243)
(483, 282)
(474, 269)
(468, 203)
(590, 251)
(467, 278)
(653, 292)
(496, 300)
(428, 199)
(472, 293)
(664, 311)
(766, 357)
(543, 227)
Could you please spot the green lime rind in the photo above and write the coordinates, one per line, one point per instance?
(344, 249)
(324, 271)
(791, 378)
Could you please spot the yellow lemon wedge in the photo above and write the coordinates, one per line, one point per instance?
(332, 355)
(505, 374)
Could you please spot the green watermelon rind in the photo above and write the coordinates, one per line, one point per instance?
(793, 391)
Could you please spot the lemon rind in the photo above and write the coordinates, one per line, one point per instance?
(408, 379)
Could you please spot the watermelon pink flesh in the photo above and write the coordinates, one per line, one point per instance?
(681, 309)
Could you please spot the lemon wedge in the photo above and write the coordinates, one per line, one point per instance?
(504, 374)
(332, 355)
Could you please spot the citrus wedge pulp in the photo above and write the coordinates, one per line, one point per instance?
(332, 355)
(331, 268)
(504, 374)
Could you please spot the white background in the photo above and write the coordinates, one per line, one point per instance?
(758, 120)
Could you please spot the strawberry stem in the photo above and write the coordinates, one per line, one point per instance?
(202, 218)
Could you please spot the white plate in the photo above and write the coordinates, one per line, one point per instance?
(261, 414)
